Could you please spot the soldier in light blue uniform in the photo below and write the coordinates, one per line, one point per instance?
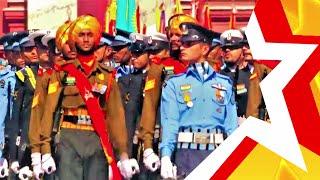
(198, 109)
(7, 41)
(7, 84)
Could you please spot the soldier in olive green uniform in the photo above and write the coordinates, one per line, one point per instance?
(79, 153)
(162, 67)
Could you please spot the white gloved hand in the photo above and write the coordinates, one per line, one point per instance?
(168, 170)
(151, 160)
(128, 168)
(4, 169)
(48, 164)
(25, 173)
(15, 167)
(38, 172)
(241, 119)
(110, 173)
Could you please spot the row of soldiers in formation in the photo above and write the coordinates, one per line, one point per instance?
(81, 104)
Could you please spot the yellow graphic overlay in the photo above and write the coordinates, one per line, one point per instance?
(263, 164)
(301, 15)
(315, 87)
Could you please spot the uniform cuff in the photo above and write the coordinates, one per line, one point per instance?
(166, 152)
(35, 150)
(45, 149)
(147, 144)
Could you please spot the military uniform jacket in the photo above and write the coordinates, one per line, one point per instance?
(115, 120)
(157, 74)
(254, 91)
(7, 84)
(131, 88)
(24, 91)
(37, 110)
(190, 101)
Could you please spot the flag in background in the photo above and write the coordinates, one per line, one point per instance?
(233, 20)
(207, 20)
(138, 17)
(178, 9)
(111, 14)
(126, 15)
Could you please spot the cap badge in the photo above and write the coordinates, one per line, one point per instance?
(229, 36)
(184, 29)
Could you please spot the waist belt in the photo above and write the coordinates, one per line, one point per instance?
(80, 119)
(201, 140)
(69, 125)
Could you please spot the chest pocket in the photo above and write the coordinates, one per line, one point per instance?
(70, 91)
(220, 100)
(72, 98)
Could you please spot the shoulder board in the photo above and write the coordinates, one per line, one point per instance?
(105, 67)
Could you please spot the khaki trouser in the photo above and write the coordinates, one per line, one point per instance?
(80, 156)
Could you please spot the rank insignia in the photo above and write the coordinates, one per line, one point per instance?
(150, 84)
(254, 75)
(99, 88)
(35, 100)
(70, 81)
(2, 83)
(53, 87)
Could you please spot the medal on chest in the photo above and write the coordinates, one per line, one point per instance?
(185, 89)
(220, 92)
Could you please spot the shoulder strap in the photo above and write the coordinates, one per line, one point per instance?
(109, 86)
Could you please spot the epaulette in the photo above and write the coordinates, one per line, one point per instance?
(105, 67)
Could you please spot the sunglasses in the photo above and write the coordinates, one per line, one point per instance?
(224, 48)
(137, 54)
(188, 44)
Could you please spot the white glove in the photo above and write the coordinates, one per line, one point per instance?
(25, 173)
(110, 173)
(241, 119)
(4, 169)
(48, 164)
(38, 172)
(151, 160)
(15, 167)
(128, 168)
(168, 170)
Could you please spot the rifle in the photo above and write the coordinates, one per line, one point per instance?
(263, 113)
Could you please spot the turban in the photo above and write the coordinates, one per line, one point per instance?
(175, 21)
(86, 22)
(62, 34)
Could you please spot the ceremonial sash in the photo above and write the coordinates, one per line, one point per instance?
(96, 114)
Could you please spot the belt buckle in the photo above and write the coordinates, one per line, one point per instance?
(201, 138)
(81, 119)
